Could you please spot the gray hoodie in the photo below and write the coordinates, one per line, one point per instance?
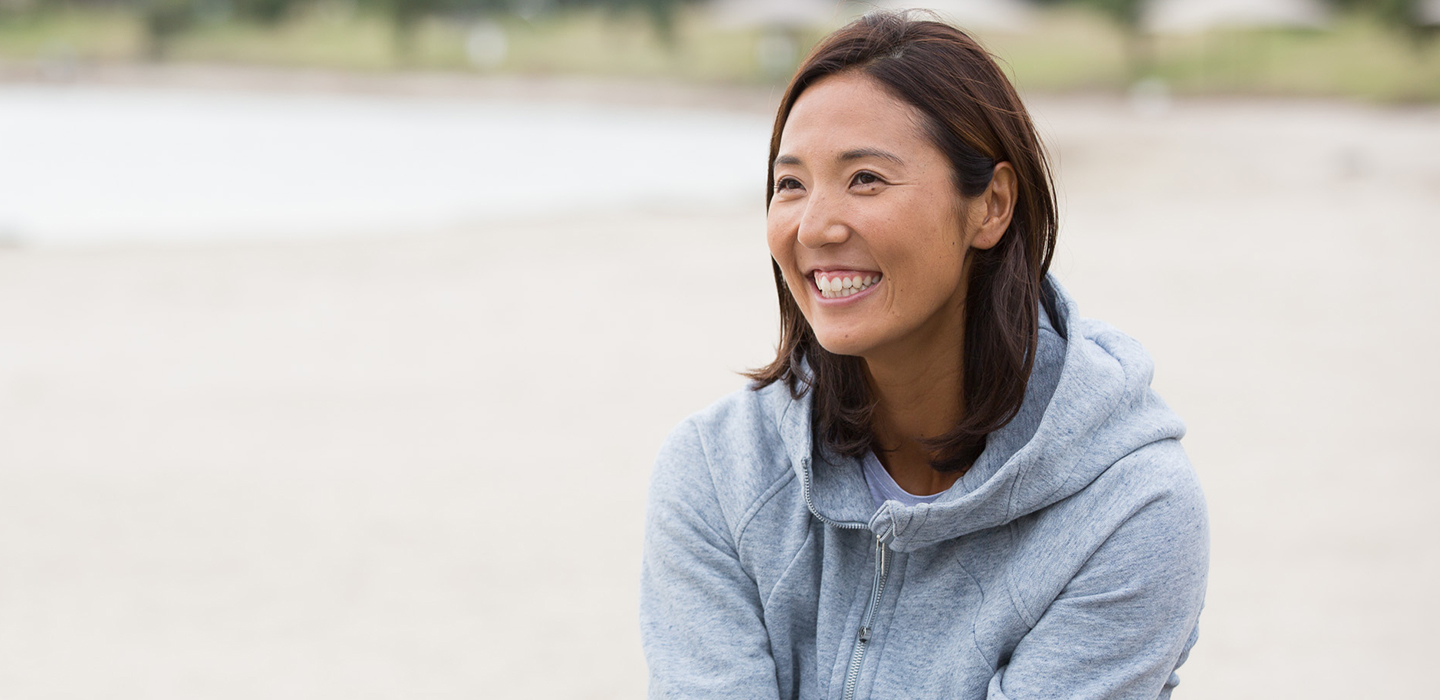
(1069, 562)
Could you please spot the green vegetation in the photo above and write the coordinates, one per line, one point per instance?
(1077, 45)
(1359, 55)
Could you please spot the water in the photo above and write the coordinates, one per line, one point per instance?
(92, 165)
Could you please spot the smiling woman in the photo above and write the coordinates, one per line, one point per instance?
(917, 215)
(947, 484)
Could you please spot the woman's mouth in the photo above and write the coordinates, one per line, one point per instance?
(843, 283)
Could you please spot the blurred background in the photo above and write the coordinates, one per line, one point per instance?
(1373, 49)
(337, 336)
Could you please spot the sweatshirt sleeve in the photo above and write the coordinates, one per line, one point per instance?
(701, 622)
(1126, 621)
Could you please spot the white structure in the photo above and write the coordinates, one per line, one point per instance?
(992, 15)
(1193, 16)
(1430, 13)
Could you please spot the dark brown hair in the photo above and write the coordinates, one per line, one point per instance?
(976, 119)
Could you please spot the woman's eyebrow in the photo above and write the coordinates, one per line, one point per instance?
(871, 153)
(855, 154)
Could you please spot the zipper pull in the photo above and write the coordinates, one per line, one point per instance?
(864, 634)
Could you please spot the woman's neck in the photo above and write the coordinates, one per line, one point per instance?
(918, 397)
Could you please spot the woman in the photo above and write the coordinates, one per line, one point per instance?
(947, 484)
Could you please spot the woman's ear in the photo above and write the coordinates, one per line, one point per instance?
(994, 207)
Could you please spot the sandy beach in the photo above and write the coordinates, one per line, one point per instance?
(413, 463)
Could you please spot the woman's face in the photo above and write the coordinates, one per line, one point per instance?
(866, 223)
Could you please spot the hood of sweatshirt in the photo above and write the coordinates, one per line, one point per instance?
(1088, 403)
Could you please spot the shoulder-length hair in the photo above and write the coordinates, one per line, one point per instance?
(975, 117)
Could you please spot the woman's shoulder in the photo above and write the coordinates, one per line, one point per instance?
(1158, 478)
(1146, 509)
(746, 414)
(736, 445)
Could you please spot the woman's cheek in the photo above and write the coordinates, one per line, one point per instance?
(782, 249)
(779, 240)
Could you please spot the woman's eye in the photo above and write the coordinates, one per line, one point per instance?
(787, 183)
(865, 177)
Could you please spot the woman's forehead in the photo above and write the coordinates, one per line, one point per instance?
(847, 114)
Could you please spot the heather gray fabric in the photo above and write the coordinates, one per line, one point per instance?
(1069, 562)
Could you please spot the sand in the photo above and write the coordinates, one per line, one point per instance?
(414, 465)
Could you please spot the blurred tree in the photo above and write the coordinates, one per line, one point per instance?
(1127, 15)
(406, 15)
(1404, 15)
(166, 19)
(265, 11)
(163, 21)
(661, 13)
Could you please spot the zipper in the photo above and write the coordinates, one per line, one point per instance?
(810, 503)
(862, 638)
(877, 587)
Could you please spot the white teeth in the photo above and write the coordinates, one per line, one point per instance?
(836, 287)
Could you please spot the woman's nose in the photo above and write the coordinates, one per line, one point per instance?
(822, 223)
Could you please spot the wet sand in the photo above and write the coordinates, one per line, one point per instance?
(414, 465)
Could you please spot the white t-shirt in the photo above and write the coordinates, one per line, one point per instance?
(883, 487)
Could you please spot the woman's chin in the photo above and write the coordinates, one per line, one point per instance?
(842, 344)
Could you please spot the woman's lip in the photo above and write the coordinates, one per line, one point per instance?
(838, 301)
(840, 271)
